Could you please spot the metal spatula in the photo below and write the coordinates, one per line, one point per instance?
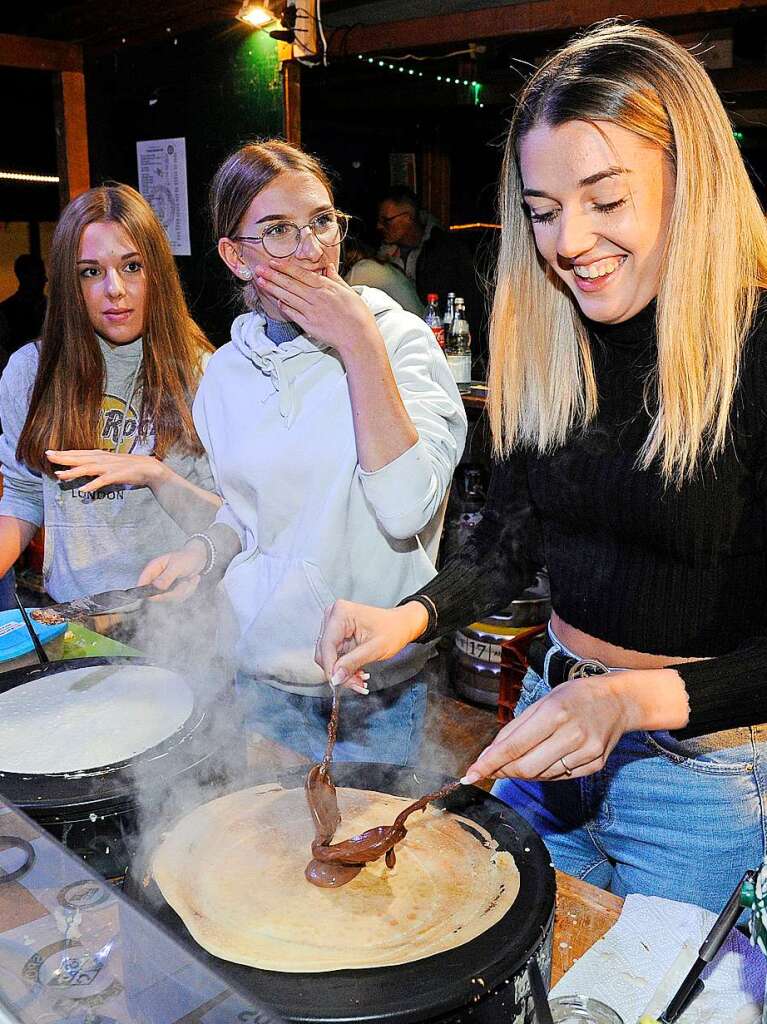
(111, 602)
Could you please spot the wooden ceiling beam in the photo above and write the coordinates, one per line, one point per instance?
(516, 19)
(39, 54)
(108, 40)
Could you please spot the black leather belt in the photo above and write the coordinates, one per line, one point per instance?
(561, 666)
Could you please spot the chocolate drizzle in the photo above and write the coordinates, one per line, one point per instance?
(335, 865)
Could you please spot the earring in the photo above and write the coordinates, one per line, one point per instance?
(246, 274)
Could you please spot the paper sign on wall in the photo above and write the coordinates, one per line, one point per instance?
(162, 182)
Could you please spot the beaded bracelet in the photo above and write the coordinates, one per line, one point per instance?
(210, 561)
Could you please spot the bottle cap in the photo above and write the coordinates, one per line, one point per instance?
(432, 297)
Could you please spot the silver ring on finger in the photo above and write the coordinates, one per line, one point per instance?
(567, 768)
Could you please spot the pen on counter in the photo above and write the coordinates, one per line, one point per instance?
(692, 985)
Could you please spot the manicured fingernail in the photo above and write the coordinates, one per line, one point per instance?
(470, 778)
(339, 677)
(365, 676)
(361, 689)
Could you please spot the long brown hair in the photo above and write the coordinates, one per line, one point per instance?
(244, 174)
(66, 398)
(715, 263)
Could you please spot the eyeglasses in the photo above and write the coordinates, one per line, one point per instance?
(284, 238)
(386, 220)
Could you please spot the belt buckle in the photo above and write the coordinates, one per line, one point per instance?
(584, 667)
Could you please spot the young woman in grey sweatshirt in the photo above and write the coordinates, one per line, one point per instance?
(98, 443)
(333, 427)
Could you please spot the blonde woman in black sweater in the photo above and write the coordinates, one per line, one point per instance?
(628, 400)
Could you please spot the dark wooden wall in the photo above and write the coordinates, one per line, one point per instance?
(217, 87)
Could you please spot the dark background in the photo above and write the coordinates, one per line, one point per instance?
(219, 86)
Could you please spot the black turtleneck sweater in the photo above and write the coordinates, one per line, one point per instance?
(649, 567)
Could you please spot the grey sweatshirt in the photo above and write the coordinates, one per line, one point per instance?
(99, 541)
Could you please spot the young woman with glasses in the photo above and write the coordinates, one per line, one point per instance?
(333, 427)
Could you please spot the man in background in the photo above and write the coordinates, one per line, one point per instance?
(433, 259)
(22, 314)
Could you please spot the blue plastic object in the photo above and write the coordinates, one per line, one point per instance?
(15, 640)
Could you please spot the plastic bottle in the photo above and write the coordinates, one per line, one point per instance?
(434, 320)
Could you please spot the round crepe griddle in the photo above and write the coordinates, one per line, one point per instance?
(448, 984)
(94, 813)
(84, 718)
(449, 883)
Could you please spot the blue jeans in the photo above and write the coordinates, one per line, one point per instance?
(678, 819)
(385, 727)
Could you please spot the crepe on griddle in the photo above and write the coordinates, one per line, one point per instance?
(82, 719)
(233, 870)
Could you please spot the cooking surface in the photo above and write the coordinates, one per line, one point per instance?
(422, 989)
(462, 730)
(85, 718)
(448, 884)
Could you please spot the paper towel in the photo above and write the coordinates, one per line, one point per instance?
(638, 965)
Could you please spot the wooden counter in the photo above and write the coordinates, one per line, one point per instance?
(474, 400)
(582, 916)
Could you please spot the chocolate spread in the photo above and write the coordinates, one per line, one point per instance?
(335, 865)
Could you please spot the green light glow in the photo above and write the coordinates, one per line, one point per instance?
(255, 78)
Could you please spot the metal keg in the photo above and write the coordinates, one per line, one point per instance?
(477, 654)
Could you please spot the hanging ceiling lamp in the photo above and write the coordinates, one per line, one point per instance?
(260, 14)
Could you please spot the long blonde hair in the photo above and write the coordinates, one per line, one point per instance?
(541, 372)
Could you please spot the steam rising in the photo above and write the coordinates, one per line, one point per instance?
(226, 753)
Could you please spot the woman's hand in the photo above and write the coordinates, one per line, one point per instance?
(569, 733)
(353, 635)
(325, 307)
(572, 730)
(108, 468)
(181, 568)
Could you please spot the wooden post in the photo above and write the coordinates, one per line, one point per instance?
(434, 191)
(291, 101)
(71, 135)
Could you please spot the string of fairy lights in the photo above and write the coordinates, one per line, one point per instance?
(448, 80)
(35, 179)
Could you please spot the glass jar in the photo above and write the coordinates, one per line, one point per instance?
(579, 1010)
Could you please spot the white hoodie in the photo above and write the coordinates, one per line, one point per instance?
(276, 423)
